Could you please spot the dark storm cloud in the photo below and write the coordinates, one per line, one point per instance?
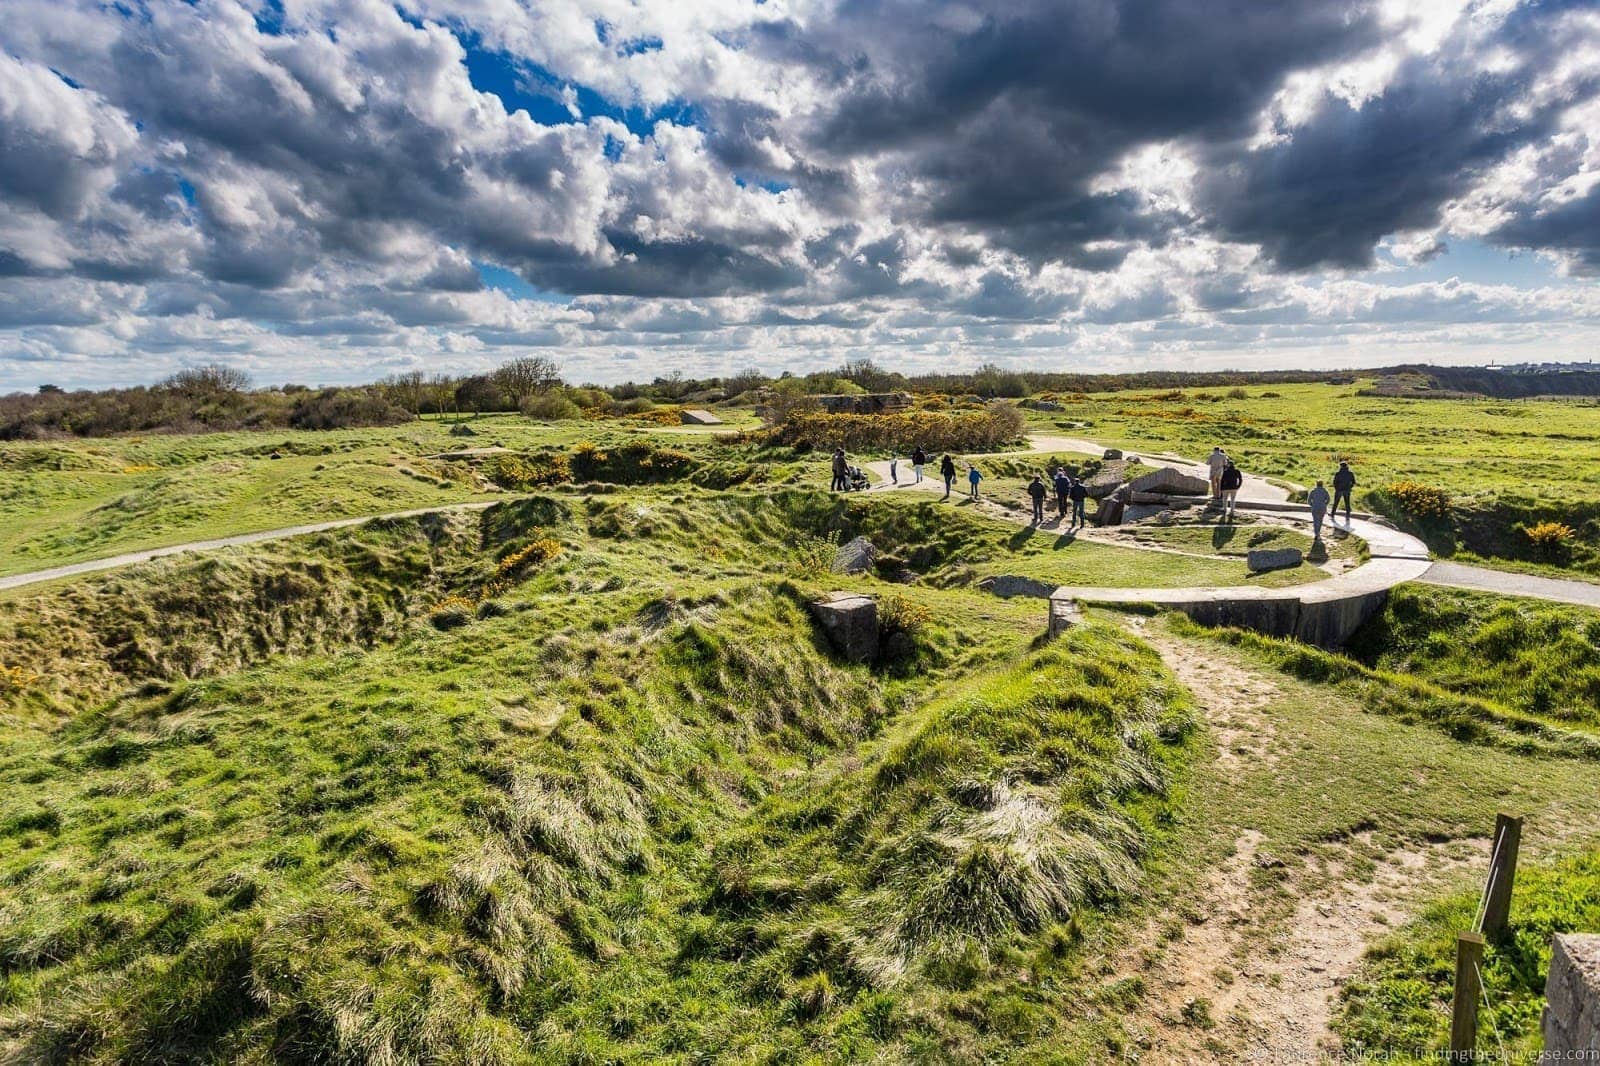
(1005, 118)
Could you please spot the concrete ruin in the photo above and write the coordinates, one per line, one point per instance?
(694, 416)
(1572, 997)
(850, 622)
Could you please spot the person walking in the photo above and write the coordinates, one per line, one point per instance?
(1078, 493)
(1216, 462)
(973, 477)
(919, 459)
(947, 468)
(894, 470)
(841, 471)
(1344, 480)
(1063, 483)
(1037, 492)
(1230, 483)
(1318, 500)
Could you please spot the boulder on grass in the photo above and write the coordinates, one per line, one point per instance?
(855, 557)
(1170, 481)
(1260, 560)
(1008, 585)
(1112, 453)
(850, 622)
(461, 429)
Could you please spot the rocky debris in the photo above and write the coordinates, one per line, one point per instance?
(693, 416)
(1042, 405)
(855, 557)
(850, 622)
(1260, 560)
(461, 429)
(1008, 585)
(1572, 994)
(1165, 517)
(1110, 510)
(1112, 453)
(1170, 481)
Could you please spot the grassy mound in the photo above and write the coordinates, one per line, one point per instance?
(1540, 659)
(1410, 698)
(524, 835)
(1399, 1005)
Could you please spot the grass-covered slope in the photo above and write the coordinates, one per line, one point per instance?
(1541, 659)
(626, 807)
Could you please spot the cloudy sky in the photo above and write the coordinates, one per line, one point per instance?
(332, 190)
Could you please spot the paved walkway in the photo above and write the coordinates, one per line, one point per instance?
(113, 562)
(1456, 575)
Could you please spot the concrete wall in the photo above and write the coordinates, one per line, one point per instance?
(1572, 992)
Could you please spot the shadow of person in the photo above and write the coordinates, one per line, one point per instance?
(1221, 535)
(1021, 537)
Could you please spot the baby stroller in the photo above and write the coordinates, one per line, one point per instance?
(857, 479)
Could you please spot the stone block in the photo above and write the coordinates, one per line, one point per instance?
(1170, 481)
(1112, 453)
(697, 417)
(1260, 560)
(1008, 585)
(1572, 995)
(1064, 614)
(850, 622)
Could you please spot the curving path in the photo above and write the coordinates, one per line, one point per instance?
(1322, 612)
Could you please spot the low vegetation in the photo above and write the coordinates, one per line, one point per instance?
(1398, 1007)
(1538, 659)
(987, 430)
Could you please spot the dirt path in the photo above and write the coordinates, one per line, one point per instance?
(1247, 977)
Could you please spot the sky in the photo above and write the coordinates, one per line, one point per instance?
(329, 191)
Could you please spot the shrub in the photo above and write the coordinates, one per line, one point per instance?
(896, 614)
(345, 409)
(14, 679)
(631, 464)
(452, 612)
(1419, 500)
(1238, 394)
(519, 472)
(964, 432)
(1549, 536)
(550, 407)
(536, 553)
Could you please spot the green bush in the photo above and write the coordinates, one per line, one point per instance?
(978, 431)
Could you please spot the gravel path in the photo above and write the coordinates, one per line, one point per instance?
(1458, 576)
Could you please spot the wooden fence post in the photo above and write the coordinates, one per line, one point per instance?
(1502, 875)
(1464, 1007)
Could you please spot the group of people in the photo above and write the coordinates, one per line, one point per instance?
(1071, 493)
(1227, 479)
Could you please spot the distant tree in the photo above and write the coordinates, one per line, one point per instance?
(49, 390)
(211, 378)
(479, 393)
(526, 377)
(406, 390)
(744, 381)
(442, 393)
(868, 375)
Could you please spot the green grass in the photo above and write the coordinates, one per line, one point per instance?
(71, 501)
(1399, 1006)
(1239, 538)
(635, 811)
(1539, 659)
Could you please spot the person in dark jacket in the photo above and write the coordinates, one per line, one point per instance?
(947, 470)
(919, 459)
(1232, 482)
(1344, 480)
(973, 477)
(1037, 493)
(1078, 493)
(841, 472)
(1063, 482)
